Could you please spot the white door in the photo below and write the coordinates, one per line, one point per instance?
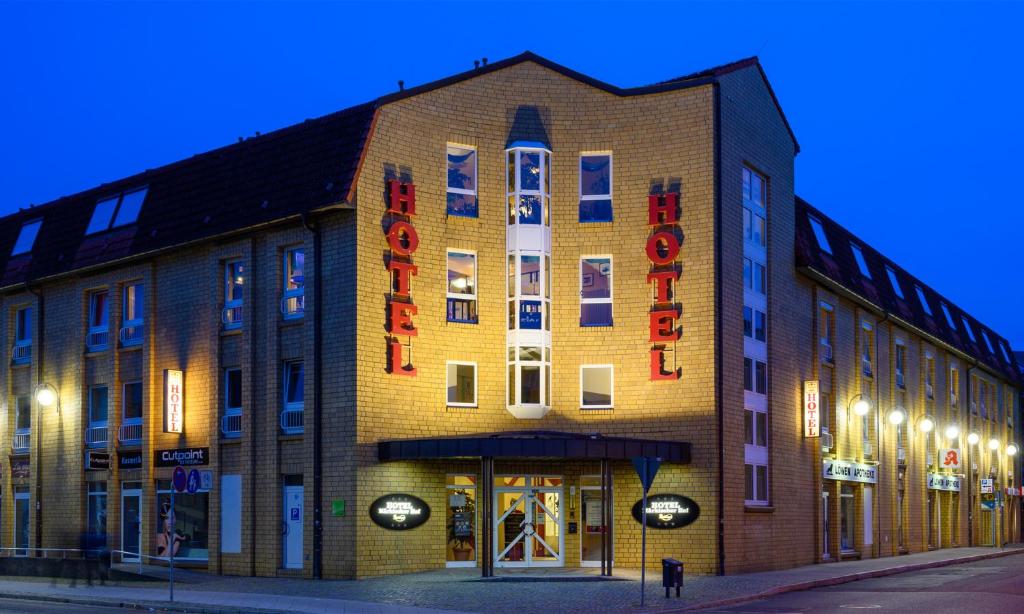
(131, 524)
(529, 529)
(292, 524)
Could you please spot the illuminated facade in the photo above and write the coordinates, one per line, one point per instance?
(434, 330)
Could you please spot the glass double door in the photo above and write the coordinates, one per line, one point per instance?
(131, 521)
(529, 526)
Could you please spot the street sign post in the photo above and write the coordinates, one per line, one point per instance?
(646, 468)
(180, 481)
(193, 482)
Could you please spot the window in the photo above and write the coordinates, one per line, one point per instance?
(595, 187)
(131, 402)
(189, 523)
(27, 237)
(967, 327)
(755, 484)
(954, 387)
(754, 228)
(862, 264)
(22, 423)
(529, 376)
(460, 516)
(294, 395)
(819, 234)
(99, 330)
(22, 352)
(596, 291)
(462, 181)
(1006, 353)
(596, 387)
(754, 192)
(894, 281)
(755, 376)
(231, 423)
(900, 364)
(949, 316)
(132, 310)
(924, 301)
(827, 326)
(988, 342)
(754, 277)
(929, 377)
(96, 436)
(755, 427)
(293, 303)
(462, 287)
(754, 324)
(461, 383)
(866, 348)
(234, 288)
(96, 526)
(117, 211)
(529, 179)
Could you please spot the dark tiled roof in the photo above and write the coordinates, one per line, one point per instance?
(841, 268)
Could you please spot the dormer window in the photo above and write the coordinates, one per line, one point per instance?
(862, 264)
(894, 281)
(988, 342)
(819, 234)
(26, 238)
(117, 211)
(1006, 354)
(949, 316)
(967, 327)
(924, 301)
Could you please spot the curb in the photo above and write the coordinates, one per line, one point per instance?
(157, 606)
(844, 579)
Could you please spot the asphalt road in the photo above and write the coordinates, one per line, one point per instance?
(28, 606)
(995, 585)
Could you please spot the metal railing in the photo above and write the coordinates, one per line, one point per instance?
(97, 340)
(131, 335)
(231, 425)
(231, 317)
(130, 433)
(96, 436)
(16, 551)
(291, 420)
(22, 441)
(293, 305)
(21, 354)
(826, 351)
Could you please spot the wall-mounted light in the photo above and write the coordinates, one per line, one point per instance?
(860, 405)
(46, 395)
(952, 431)
(1011, 449)
(993, 444)
(973, 438)
(925, 423)
(897, 416)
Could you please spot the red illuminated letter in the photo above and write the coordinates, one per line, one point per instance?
(671, 247)
(401, 198)
(395, 351)
(662, 209)
(403, 270)
(662, 325)
(400, 318)
(657, 366)
(395, 236)
(662, 279)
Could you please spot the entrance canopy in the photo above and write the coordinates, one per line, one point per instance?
(533, 444)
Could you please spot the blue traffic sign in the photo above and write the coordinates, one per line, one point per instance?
(179, 479)
(646, 468)
(194, 481)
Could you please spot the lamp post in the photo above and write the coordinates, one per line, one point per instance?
(972, 440)
(46, 396)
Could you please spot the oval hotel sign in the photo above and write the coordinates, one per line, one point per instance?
(667, 511)
(399, 512)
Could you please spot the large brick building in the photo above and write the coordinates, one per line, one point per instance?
(435, 329)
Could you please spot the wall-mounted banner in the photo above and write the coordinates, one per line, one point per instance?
(949, 458)
(812, 409)
(96, 460)
(129, 460)
(399, 512)
(181, 456)
(938, 481)
(849, 471)
(667, 511)
(174, 401)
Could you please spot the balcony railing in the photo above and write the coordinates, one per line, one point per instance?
(231, 317)
(131, 335)
(231, 424)
(97, 340)
(826, 351)
(899, 380)
(130, 434)
(865, 366)
(291, 420)
(293, 305)
(96, 436)
(22, 440)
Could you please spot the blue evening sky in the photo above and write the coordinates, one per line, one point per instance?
(907, 113)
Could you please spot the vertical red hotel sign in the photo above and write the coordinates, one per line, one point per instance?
(174, 401)
(662, 251)
(403, 241)
(812, 409)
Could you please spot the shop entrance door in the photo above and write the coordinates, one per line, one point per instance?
(529, 526)
(292, 523)
(825, 552)
(21, 520)
(131, 523)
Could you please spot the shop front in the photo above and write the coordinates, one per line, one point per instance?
(847, 508)
(943, 507)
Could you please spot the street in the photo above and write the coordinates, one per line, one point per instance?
(46, 607)
(995, 585)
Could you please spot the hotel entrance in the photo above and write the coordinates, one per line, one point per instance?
(529, 530)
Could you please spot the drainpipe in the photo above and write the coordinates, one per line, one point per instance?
(40, 309)
(318, 529)
(878, 435)
(719, 377)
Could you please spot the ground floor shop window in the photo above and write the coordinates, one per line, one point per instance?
(592, 521)
(847, 519)
(190, 520)
(461, 521)
(96, 524)
(933, 521)
(825, 549)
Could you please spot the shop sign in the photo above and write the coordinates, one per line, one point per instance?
(174, 401)
(812, 409)
(1012, 491)
(399, 512)
(402, 241)
(667, 511)
(181, 456)
(949, 458)
(849, 471)
(20, 468)
(938, 481)
(986, 486)
(129, 460)
(662, 250)
(96, 460)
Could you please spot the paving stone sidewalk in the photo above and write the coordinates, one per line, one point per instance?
(463, 590)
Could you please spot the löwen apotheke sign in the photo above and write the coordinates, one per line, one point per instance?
(667, 511)
(849, 471)
(181, 456)
(938, 481)
(398, 512)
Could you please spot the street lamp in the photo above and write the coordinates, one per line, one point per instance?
(860, 405)
(46, 395)
(973, 438)
(993, 444)
(897, 416)
(1011, 449)
(952, 431)
(926, 423)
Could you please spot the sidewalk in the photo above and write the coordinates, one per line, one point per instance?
(462, 589)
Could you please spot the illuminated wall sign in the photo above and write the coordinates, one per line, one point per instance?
(662, 250)
(20, 468)
(399, 512)
(849, 471)
(129, 460)
(812, 409)
(181, 456)
(949, 458)
(938, 481)
(667, 511)
(402, 241)
(96, 460)
(174, 401)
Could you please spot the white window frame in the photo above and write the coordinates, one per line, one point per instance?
(476, 175)
(124, 403)
(102, 328)
(862, 264)
(21, 339)
(899, 362)
(460, 296)
(750, 175)
(755, 502)
(230, 410)
(18, 430)
(476, 382)
(292, 296)
(130, 322)
(295, 406)
(894, 281)
(98, 424)
(866, 342)
(611, 287)
(611, 396)
(231, 316)
(611, 179)
(819, 234)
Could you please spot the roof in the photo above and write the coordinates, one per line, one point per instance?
(533, 444)
(841, 268)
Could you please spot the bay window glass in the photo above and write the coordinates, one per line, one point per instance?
(596, 291)
(462, 287)
(462, 198)
(595, 188)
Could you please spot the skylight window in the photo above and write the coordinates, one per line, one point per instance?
(949, 316)
(967, 327)
(819, 234)
(117, 211)
(924, 301)
(862, 264)
(894, 281)
(27, 237)
(988, 342)
(1002, 348)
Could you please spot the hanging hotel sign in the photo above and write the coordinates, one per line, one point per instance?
(398, 512)
(667, 511)
(96, 460)
(812, 409)
(849, 471)
(174, 401)
(181, 456)
(939, 481)
(402, 242)
(949, 458)
(662, 250)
